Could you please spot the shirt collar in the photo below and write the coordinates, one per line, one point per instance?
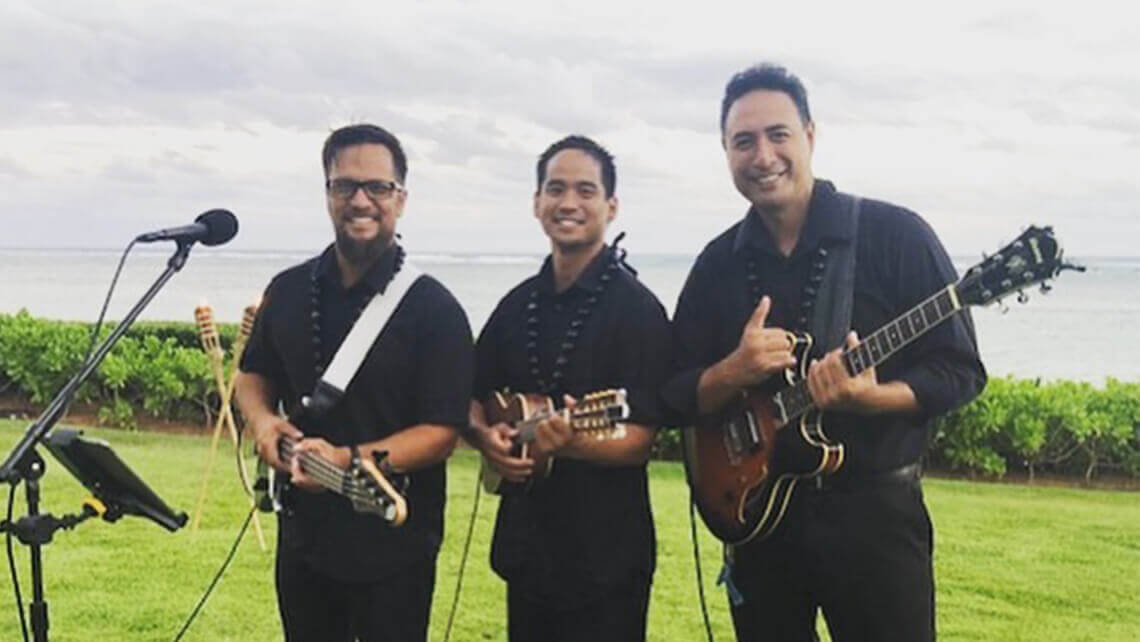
(825, 220)
(588, 280)
(377, 276)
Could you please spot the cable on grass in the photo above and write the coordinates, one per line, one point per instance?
(463, 559)
(217, 576)
(12, 564)
(697, 559)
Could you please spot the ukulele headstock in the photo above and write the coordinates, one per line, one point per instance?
(601, 414)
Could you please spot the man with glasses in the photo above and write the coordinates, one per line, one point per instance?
(341, 575)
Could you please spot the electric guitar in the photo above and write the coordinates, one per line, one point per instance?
(598, 413)
(743, 463)
(363, 483)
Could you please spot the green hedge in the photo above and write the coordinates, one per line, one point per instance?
(156, 368)
(1064, 427)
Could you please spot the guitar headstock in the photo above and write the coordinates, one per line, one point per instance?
(374, 492)
(601, 413)
(1033, 257)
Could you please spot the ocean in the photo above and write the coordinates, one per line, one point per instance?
(1087, 328)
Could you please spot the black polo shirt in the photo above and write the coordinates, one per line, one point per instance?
(418, 372)
(898, 263)
(588, 526)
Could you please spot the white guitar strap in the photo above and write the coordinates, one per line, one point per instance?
(367, 329)
(346, 362)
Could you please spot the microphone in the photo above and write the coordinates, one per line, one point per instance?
(211, 228)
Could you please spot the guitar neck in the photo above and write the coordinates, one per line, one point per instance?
(527, 427)
(323, 471)
(879, 346)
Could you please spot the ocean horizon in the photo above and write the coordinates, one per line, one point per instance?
(1085, 329)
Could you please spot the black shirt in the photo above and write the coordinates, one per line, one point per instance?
(898, 263)
(588, 526)
(418, 372)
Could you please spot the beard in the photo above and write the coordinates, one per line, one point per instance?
(360, 253)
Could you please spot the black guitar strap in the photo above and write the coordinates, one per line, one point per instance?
(831, 318)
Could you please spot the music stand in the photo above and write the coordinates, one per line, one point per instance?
(99, 469)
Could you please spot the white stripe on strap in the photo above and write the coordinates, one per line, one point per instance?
(367, 329)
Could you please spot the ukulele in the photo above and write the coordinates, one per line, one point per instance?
(599, 414)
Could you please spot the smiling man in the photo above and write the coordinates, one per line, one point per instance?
(577, 550)
(343, 575)
(856, 544)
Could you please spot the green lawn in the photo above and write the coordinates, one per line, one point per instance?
(1013, 562)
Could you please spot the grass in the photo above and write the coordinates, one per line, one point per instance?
(1013, 562)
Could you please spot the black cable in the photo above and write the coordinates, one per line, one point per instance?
(107, 301)
(697, 558)
(218, 576)
(12, 564)
(463, 559)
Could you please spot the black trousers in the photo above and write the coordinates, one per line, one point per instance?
(862, 554)
(317, 608)
(617, 616)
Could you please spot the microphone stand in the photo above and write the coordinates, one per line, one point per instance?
(25, 464)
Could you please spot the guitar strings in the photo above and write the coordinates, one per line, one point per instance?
(324, 472)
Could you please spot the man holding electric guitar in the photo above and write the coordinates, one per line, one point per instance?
(854, 538)
(373, 363)
(568, 369)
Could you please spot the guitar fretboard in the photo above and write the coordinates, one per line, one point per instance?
(580, 420)
(325, 472)
(876, 348)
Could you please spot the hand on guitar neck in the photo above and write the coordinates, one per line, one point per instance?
(519, 435)
(341, 457)
(499, 442)
(268, 429)
(832, 387)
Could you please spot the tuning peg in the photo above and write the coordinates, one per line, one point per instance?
(1022, 297)
(1046, 288)
(1002, 306)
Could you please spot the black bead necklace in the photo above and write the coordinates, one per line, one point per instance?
(550, 385)
(811, 288)
(367, 291)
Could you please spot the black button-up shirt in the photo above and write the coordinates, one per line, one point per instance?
(418, 372)
(898, 263)
(588, 526)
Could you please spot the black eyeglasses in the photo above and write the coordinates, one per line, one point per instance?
(345, 188)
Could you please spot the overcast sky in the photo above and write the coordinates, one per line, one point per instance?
(120, 117)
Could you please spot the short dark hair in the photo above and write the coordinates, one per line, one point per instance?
(362, 134)
(596, 151)
(765, 76)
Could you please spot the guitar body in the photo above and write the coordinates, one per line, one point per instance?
(744, 462)
(512, 409)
